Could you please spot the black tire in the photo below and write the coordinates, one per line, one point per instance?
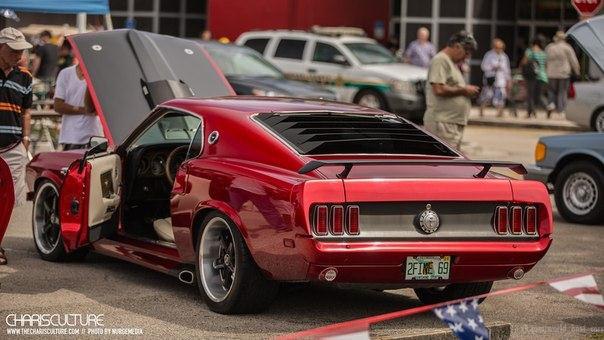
(453, 291)
(597, 120)
(250, 291)
(50, 250)
(366, 93)
(587, 206)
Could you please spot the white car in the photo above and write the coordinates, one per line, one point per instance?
(357, 68)
(587, 106)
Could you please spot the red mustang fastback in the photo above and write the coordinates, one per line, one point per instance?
(239, 194)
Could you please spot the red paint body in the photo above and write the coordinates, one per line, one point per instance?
(294, 14)
(7, 197)
(253, 178)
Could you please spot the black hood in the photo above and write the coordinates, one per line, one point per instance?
(129, 72)
(281, 86)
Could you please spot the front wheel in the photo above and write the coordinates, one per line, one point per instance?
(453, 291)
(598, 121)
(372, 99)
(46, 226)
(579, 193)
(228, 278)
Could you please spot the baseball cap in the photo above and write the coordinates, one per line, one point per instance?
(14, 39)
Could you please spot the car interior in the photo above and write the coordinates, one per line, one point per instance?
(150, 167)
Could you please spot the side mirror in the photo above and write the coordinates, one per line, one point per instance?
(340, 59)
(97, 145)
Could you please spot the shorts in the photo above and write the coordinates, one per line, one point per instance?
(450, 132)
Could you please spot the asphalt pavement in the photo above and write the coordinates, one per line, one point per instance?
(147, 304)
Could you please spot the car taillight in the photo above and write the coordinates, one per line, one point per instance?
(353, 220)
(321, 220)
(531, 220)
(516, 220)
(337, 220)
(501, 220)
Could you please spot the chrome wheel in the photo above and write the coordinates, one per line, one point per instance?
(217, 260)
(599, 122)
(370, 100)
(580, 193)
(45, 218)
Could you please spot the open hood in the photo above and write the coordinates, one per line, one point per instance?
(7, 195)
(589, 34)
(129, 72)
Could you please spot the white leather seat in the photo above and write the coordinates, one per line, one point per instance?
(163, 228)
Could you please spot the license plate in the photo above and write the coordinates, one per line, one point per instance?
(427, 267)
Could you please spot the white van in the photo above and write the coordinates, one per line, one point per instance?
(358, 68)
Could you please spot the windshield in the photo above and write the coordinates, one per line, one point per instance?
(237, 63)
(369, 53)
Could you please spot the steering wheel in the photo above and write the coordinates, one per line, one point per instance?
(173, 161)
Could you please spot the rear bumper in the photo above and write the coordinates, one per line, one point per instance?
(537, 173)
(383, 262)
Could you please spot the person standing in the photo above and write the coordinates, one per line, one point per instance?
(533, 72)
(447, 95)
(561, 64)
(497, 77)
(15, 101)
(79, 121)
(44, 66)
(421, 50)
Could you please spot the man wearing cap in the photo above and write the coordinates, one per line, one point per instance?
(447, 95)
(15, 101)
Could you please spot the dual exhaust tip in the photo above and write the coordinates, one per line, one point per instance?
(186, 276)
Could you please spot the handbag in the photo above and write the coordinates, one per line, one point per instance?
(490, 81)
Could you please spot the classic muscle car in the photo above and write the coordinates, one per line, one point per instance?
(241, 193)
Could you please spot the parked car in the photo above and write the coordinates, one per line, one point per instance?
(239, 193)
(586, 108)
(574, 164)
(358, 68)
(250, 74)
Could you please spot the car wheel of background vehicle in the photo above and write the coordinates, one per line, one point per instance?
(598, 121)
(46, 226)
(579, 193)
(227, 276)
(453, 291)
(371, 98)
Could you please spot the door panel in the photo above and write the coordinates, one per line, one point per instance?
(89, 196)
(7, 196)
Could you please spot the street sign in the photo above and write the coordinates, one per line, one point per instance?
(587, 8)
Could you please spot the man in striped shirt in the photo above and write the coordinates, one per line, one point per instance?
(15, 101)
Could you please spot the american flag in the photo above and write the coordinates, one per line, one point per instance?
(464, 320)
(583, 288)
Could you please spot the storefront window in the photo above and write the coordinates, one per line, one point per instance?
(395, 9)
(524, 9)
(143, 5)
(118, 5)
(482, 34)
(194, 27)
(506, 33)
(169, 6)
(196, 6)
(506, 10)
(446, 31)
(483, 9)
(548, 9)
(169, 26)
(453, 9)
(417, 8)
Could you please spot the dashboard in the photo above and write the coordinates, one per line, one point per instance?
(152, 163)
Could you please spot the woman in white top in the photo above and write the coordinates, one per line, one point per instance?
(497, 77)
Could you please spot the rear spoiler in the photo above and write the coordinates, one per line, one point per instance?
(349, 163)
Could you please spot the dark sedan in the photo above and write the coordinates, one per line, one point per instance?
(250, 74)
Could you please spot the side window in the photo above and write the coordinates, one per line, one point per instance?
(196, 143)
(290, 49)
(258, 44)
(326, 53)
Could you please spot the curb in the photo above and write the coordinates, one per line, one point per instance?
(498, 331)
(524, 124)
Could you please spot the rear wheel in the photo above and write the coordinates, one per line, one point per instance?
(371, 98)
(228, 278)
(453, 291)
(579, 193)
(46, 226)
(598, 121)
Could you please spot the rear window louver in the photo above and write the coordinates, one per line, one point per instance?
(348, 133)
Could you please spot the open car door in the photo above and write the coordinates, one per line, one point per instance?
(7, 196)
(89, 199)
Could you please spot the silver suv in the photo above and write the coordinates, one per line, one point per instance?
(357, 68)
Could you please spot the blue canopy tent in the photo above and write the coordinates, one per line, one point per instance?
(81, 7)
